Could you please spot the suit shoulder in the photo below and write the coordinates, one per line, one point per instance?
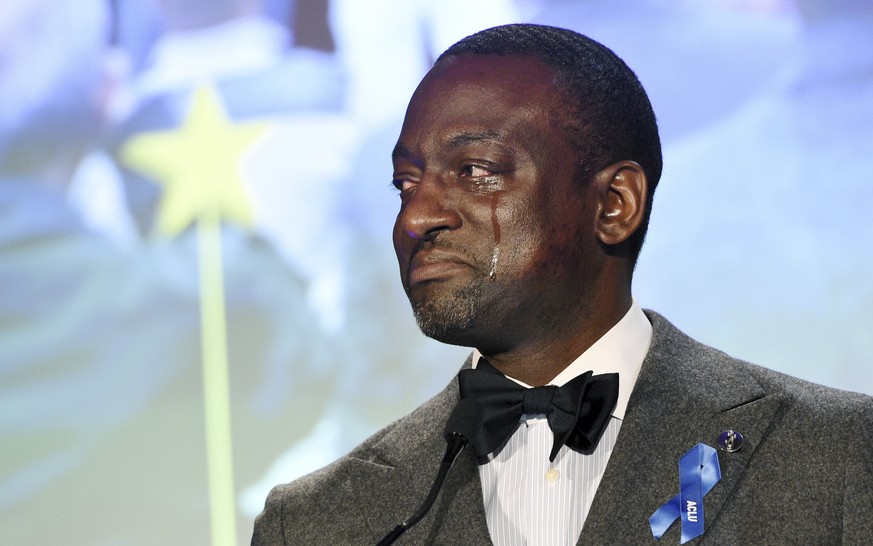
(713, 370)
(805, 400)
(313, 499)
(311, 508)
(814, 397)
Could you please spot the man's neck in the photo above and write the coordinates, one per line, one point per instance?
(538, 362)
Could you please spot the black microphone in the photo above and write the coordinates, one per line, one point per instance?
(463, 423)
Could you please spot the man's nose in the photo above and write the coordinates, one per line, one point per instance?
(429, 210)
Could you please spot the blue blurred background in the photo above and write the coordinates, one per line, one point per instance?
(760, 242)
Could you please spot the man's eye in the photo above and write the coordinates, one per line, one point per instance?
(475, 171)
(402, 184)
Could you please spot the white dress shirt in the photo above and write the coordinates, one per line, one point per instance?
(530, 501)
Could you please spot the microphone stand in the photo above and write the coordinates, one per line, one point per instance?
(461, 425)
(456, 444)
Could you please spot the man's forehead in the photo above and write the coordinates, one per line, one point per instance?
(488, 83)
(469, 67)
(506, 101)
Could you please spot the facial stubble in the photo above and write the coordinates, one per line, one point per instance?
(447, 317)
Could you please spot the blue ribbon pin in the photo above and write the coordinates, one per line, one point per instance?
(698, 473)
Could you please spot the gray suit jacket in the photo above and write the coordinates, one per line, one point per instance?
(804, 475)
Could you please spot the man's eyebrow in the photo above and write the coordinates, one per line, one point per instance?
(453, 141)
(463, 139)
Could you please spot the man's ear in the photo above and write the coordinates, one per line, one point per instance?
(622, 189)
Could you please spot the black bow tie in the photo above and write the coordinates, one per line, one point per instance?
(577, 412)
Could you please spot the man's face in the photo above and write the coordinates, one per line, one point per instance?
(494, 235)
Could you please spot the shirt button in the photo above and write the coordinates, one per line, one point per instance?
(552, 475)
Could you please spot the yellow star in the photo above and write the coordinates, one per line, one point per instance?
(199, 163)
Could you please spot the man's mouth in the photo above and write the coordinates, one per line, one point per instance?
(435, 265)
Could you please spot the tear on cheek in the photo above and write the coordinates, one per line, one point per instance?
(492, 274)
(495, 226)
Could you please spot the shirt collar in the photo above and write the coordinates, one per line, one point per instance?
(621, 349)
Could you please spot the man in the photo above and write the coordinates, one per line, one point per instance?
(526, 167)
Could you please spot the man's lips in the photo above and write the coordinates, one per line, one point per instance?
(434, 266)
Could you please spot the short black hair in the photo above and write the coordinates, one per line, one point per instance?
(610, 117)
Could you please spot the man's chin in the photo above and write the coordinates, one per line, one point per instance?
(444, 332)
(447, 318)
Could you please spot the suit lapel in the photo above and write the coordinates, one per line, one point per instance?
(686, 393)
(392, 483)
